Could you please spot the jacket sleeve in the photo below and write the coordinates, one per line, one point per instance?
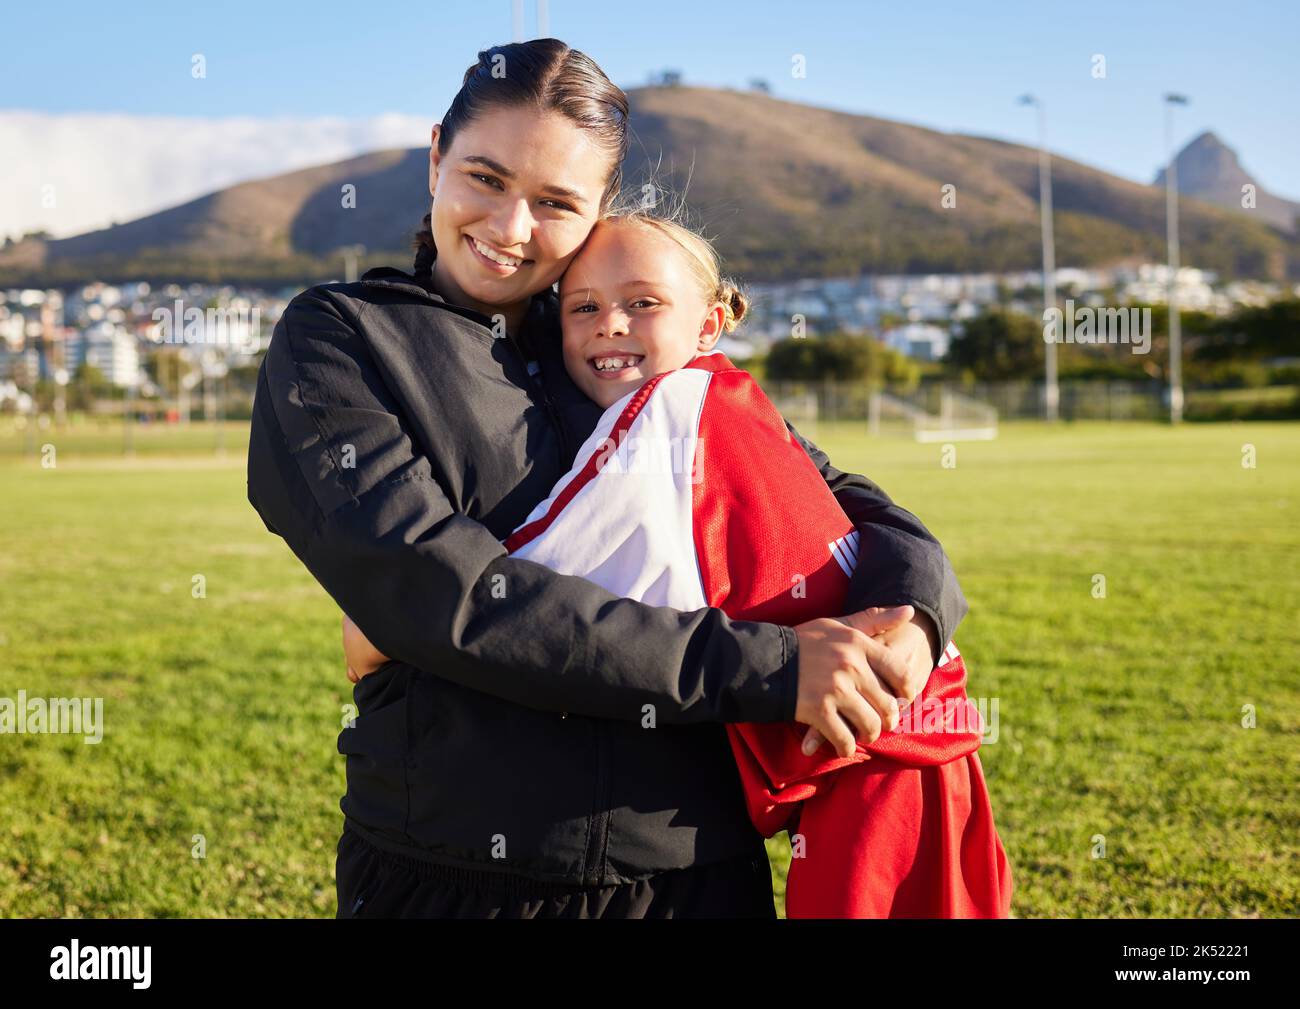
(900, 561)
(333, 469)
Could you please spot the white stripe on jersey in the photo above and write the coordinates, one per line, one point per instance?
(631, 527)
(845, 552)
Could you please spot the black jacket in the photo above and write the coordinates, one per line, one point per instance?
(395, 443)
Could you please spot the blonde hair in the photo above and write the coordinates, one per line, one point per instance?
(701, 257)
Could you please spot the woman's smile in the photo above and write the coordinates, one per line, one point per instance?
(493, 259)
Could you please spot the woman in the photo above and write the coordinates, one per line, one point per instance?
(539, 747)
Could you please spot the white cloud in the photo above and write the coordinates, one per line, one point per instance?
(105, 168)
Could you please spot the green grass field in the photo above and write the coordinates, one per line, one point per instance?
(1119, 716)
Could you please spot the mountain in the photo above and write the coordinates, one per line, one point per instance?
(1209, 170)
(285, 228)
(787, 190)
(793, 190)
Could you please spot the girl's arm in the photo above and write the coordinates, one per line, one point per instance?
(901, 561)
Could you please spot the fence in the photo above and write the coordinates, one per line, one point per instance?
(928, 413)
(931, 412)
(939, 407)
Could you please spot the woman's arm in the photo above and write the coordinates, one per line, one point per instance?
(900, 561)
(333, 469)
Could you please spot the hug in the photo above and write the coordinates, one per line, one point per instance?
(583, 690)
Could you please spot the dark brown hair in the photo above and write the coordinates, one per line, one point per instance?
(551, 77)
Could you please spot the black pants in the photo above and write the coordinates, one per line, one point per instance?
(373, 883)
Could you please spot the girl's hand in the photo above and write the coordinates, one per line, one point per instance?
(911, 641)
(915, 642)
(362, 657)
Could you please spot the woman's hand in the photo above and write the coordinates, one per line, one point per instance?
(855, 675)
(362, 657)
(842, 675)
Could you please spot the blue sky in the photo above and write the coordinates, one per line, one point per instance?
(952, 66)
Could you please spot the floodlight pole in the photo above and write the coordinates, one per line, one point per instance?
(1171, 224)
(1051, 390)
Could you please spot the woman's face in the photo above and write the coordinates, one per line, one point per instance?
(513, 200)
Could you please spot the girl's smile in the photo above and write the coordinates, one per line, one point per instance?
(613, 365)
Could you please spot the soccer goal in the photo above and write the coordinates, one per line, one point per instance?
(934, 416)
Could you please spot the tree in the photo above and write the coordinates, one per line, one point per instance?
(997, 346)
(167, 367)
(839, 357)
(1255, 333)
(88, 384)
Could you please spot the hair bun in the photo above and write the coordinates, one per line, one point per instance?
(736, 303)
(425, 251)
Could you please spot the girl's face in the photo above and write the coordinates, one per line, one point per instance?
(631, 309)
(514, 198)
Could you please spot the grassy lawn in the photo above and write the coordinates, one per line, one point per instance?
(1118, 716)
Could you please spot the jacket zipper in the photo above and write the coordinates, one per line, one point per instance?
(598, 836)
(540, 387)
(598, 840)
(535, 378)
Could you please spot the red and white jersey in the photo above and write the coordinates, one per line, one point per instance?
(691, 492)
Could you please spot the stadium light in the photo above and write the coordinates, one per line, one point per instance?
(1051, 390)
(1171, 223)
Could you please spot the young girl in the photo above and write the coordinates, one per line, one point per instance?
(692, 493)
